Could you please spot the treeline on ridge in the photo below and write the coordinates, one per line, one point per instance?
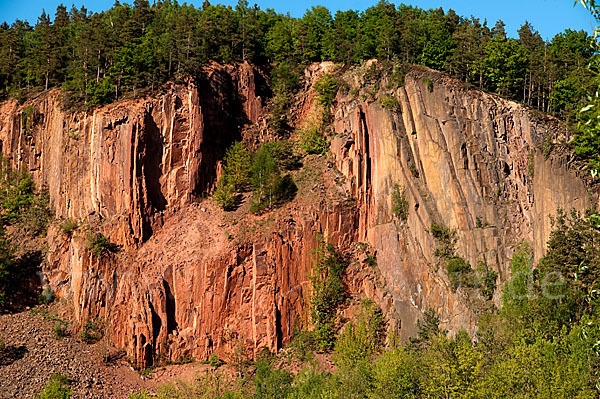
(100, 57)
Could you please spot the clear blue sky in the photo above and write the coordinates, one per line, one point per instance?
(547, 16)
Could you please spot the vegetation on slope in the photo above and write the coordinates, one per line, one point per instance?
(25, 214)
(542, 343)
(261, 172)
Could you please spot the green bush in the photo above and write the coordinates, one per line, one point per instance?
(361, 339)
(91, 332)
(587, 140)
(100, 93)
(237, 169)
(460, 272)
(283, 153)
(429, 83)
(427, 330)
(60, 329)
(17, 190)
(47, 296)
(225, 195)
(396, 375)
(37, 215)
(446, 239)
(99, 245)
(327, 88)
(68, 226)
(214, 360)
(313, 141)
(270, 189)
(399, 203)
(237, 166)
(328, 293)
(389, 102)
(303, 343)
(397, 77)
(142, 395)
(56, 388)
(271, 382)
(487, 280)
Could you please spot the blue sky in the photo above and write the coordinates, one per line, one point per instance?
(547, 16)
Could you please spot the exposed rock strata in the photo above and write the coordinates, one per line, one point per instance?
(181, 287)
(463, 158)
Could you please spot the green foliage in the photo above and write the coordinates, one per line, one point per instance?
(68, 226)
(27, 119)
(396, 376)
(91, 332)
(303, 344)
(225, 195)
(587, 141)
(236, 176)
(389, 102)
(47, 296)
(547, 146)
(427, 330)
(142, 395)
(327, 88)
(34, 218)
(568, 273)
(428, 83)
(214, 360)
(312, 140)
(285, 81)
(129, 50)
(371, 260)
(361, 339)
(60, 329)
(328, 292)
(504, 65)
(270, 189)
(279, 117)
(56, 388)
(517, 290)
(283, 153)
(460, 272)
(452, 367)
(399, 203)
(17, 191)
(271, 382)
(446, 239)
(261, 171)
(238, 164)
(100, 93)
(487, 280)
(99, 245)
(28, 211)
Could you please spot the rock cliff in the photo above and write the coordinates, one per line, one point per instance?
(191, 280)
(468, 160)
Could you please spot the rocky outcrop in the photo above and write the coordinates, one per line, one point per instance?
(127, 162)
(190, 280)
(465, 159)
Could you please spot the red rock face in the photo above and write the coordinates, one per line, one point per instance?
(181, 287)
(462, 158)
